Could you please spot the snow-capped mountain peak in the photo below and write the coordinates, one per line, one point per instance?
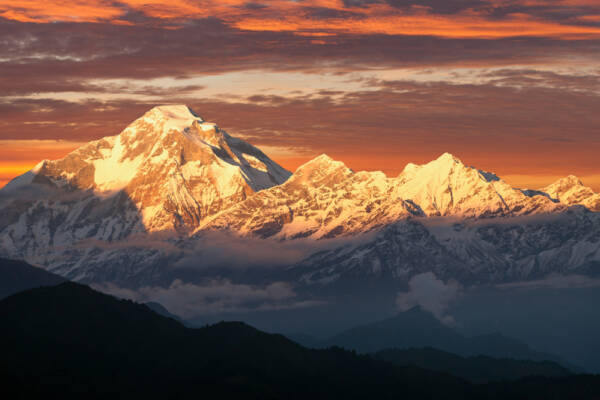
(175, 112)
(179, 122)
(173, 168)
(565, 184)
(570, 190)
(445, 186)
(171, 171)
(321, 159)
(321, 162)
(441, 167)
(172, 117)
(447, 158)
(180, 119)
(321, 170)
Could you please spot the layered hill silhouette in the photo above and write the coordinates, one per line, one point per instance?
(161, 310)
(16, 276)
(417, 328)
(71, 341)
(76, 341)
(477, 369)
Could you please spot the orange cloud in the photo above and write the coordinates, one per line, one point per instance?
(59, 10)
(292, 16)
(443, 26)
(590, 18)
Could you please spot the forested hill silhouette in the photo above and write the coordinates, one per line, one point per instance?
(71, 341)
(477, 369)
(16, 276)
(77, 341)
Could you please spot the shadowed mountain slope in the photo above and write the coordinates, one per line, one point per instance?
(16, 276)
(419, 328)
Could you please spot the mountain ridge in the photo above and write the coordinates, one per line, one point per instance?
(419, 328)
(177, 178)
(16, 276)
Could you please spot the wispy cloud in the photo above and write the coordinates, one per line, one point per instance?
(431, 294)
(214, 296)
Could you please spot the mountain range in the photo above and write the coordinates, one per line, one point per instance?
(124, 208)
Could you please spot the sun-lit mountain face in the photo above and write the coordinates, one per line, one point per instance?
(172, 173)
(173, 169)
(570, 190)
(324, 198)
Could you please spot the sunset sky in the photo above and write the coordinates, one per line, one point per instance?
(510, 86)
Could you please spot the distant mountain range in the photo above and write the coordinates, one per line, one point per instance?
(417, 328)
(70, 341)
(124, 208)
